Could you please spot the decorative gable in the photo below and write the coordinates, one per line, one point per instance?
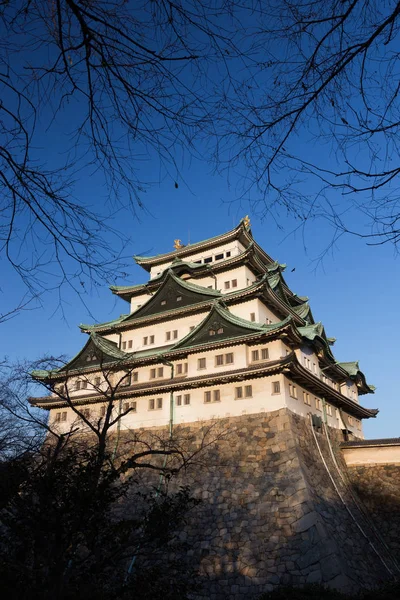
(174, 293)
(219, 325)
(97, 352)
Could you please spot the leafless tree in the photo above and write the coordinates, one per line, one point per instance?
(107, 85)
(316, 121)
(79, 505)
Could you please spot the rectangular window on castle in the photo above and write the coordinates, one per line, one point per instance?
(86, 412)
(252, 316)
(219, 360)
(219, 256)
(160, 372)
(159, 403)
(175, 334)
(181, 368)
(134, 376)
(292, 391)
(255, 355)
(306, 398)
(151, 340)
(207, 397)
(329, 410)
(216, 396)
(153, 373)
(234, 283)
(178, 400)
(208, 259)
(227, 285)
(97, 381)
(125, 381)
(186, 399)
(318, 404)
(350, 420)
(131, 406)
(78, 385)
(264, 354)
(84, 384)
(123, 345)
(58, 417)
(228, 254)
(152, 404)
(229, 358)
(238, 393)
(201, 363)
(145, 341)
(130, 344)
(276, 387)
(243, 392)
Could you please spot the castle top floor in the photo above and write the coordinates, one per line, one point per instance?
(207, 252)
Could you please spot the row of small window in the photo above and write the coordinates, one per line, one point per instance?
(330, 382)
(209, 259)
(148, 340)
(310, 366)
(82, 384)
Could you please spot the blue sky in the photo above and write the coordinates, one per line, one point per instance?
(353, 292)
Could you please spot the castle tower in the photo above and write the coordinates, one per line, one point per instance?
(215, 332)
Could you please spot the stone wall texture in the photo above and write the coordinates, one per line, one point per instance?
(378, 487)
(272, 513)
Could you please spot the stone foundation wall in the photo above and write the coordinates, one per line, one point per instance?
(378, 487)
(270, 514)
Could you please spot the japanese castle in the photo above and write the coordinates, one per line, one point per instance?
(215, 332)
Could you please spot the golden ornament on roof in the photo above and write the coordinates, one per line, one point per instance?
(246, 222)
(178, 244)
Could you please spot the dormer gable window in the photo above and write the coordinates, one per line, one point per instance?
(211, 332)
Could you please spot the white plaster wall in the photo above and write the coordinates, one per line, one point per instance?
(306, 352)
(243, 275)
(350, 390)
(159, 331)
(255, 305)
(138, 301)
(372, 455)
(113, 337)
(235, 247)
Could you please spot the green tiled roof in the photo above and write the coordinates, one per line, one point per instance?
(310, 331)
(303, 310)
(107, 346)
(105, 324)
(274, 280)
(126, 288)
(352, 368)
(193, 287)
